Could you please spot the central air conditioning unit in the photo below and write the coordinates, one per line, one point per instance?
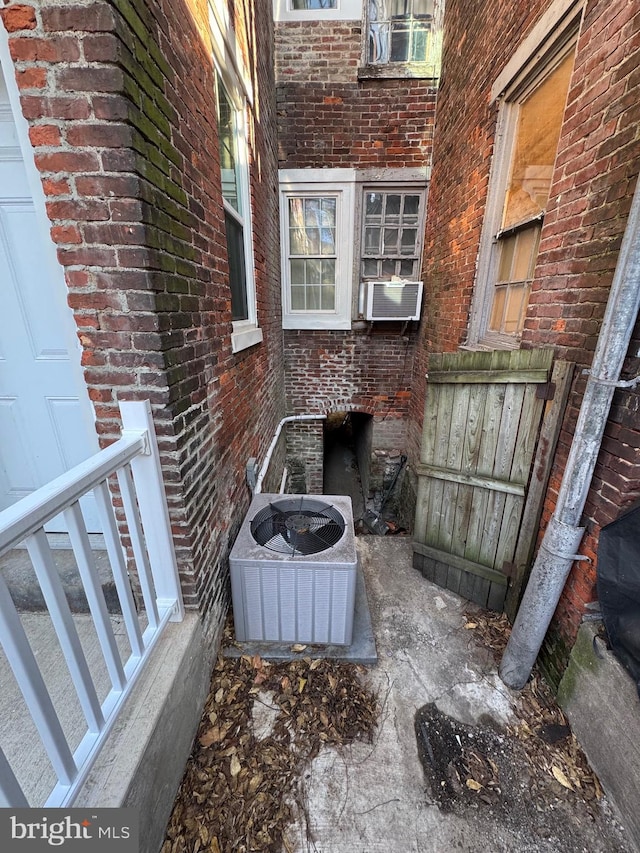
(393, 300)
(293, 570)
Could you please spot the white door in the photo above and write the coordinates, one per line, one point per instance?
(43, 430)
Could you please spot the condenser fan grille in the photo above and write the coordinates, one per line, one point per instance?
(298, 526)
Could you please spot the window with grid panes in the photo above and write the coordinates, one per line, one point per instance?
(392, 226)
(400, 31)
(312, 253)
(534, 143)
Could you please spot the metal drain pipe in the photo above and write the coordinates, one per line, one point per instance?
(267, 459)
(563, 535)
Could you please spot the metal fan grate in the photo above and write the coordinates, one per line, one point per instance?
(298, 525)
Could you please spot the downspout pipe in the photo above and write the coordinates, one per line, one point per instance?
(563, 535)
(267, 459)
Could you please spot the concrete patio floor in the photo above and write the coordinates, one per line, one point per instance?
(372, 798)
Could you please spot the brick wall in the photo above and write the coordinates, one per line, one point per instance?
(327, 117)
(594, 178)
(119, 97)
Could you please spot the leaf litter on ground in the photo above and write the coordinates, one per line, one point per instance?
(241, 792)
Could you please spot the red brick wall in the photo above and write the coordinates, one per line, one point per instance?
(594, 178)
(120, 101)
(479, 38)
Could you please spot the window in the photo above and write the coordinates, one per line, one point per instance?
(314, 4)
(530, 121)
(405, 32)
(317, 256)
(320, 10)
(392, 228)
(237, 217)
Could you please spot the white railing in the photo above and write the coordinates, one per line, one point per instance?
(135, 460)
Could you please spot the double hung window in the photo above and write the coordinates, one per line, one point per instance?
(392, 226)
(530, 121)
(237, 216)
(404, 37)
(317, 210)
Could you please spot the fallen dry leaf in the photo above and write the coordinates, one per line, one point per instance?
(560, 777)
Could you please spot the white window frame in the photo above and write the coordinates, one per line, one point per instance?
(235, 79)
(551, 38)
(346, 10)
(330, 183)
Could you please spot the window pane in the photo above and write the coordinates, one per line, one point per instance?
(297, 298)
(370, 268)
(379, 43)
(328, 298)
(392, 210)
(408, 269)
(313, 298)
(296, 272)
(237, 273)
(372, 240)
(419, 42)
(373, 207)
(328, 238)
(537, 135)
(312, 207)
(297, 241)
(312, 241)
(411, 208)
(497, 309)
(507, 248)
(328, 217)
(390, 241)
(399, 42)
(227, 147)
(388, 269)
(312, 269)
(525, 244)
(328, 272)
(514, 311)
(314, 4)
(422, 8)
(408, 242)
(296, 213)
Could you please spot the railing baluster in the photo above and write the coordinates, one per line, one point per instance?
(58, 608)
(95, 596)
(11, 794)
(127, 490)
(27, 672)
(116, 558)
(136, 461)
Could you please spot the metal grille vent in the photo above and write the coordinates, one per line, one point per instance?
(298, 526)
(391, 300)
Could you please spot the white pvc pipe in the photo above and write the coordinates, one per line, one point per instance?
(274, 441)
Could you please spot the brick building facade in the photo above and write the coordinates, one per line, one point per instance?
(120, 101)
(123, 109)
(487, 53)
(339, 110)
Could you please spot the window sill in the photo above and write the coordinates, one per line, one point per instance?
(246, 337)
(317, 322)
(394, 70)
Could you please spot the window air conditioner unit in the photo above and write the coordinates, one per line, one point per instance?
(393, 300)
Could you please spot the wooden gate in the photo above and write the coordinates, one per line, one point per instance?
(480, 481)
